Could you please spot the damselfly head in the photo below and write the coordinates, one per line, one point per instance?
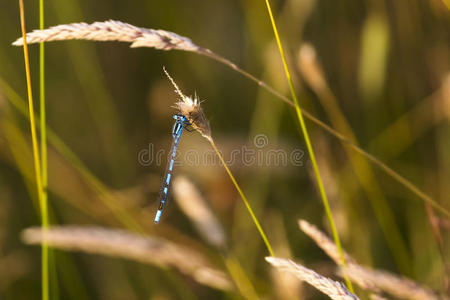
(179, 117)
(191, 109)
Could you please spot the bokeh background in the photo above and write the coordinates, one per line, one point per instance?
(385, 63)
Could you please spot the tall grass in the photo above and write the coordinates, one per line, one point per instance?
(247, 204)
(308, 144)
(313, 74)
(41, 178)
(192, 110)
(46, 258)
(166, 40)
(93, 184)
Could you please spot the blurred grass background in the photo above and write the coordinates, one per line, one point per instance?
(386, 64)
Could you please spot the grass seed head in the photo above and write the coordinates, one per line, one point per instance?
(191, 109)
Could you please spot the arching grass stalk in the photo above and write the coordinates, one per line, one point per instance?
(36, 158)
(190, 107)
(165, 40)
(247, 204)
(309, 146)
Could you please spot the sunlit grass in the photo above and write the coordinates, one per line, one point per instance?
(309, 146)
(312, 72)
(119, 189)
(36, 158)
(247, 204)
(233, 266)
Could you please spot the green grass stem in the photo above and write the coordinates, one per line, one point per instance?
(309, 146)
(36, 159)
(369, 183)
(247, 204)
(344, 139)
(105, 196)
(47, 258)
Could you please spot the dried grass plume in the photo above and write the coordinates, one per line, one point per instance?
(372, 280)
(191, 109)
(310, 68)
(335, 290)
(195, 207)
(112, 31)
(324, 242)
(400, 287)
(144, 249)
(139, 37)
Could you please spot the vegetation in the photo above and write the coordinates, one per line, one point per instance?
(376, 72)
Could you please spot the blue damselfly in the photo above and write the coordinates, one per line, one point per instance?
(180, 123)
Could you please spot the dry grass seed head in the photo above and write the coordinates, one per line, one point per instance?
(372, 280)
(112, 31)
(144, 249)
(335, 290)
(196, 209)
(310, 67)
(191, 109)
(324, 242)
(395, 285)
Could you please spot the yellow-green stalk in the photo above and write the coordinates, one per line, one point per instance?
(36, 158)
(309, 146)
